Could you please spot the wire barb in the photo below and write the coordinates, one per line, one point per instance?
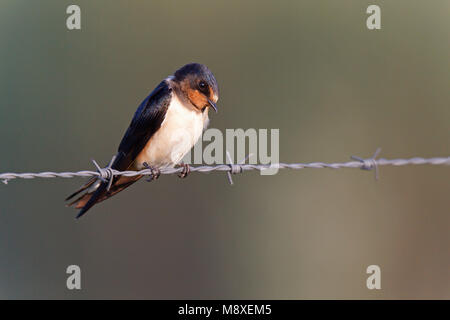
(235, 168)
(105, 174)
(369, 164)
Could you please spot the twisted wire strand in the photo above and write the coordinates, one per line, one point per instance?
(105, 174)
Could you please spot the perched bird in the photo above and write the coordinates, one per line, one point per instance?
(164, 128)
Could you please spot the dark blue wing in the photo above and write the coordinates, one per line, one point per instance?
(146, 121)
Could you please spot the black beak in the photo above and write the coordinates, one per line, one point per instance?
(213, 105)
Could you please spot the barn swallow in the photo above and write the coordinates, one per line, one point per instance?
(164, 128)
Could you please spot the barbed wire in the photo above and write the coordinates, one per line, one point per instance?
(106, 174)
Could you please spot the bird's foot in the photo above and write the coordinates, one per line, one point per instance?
(154, 172)
(186, 170)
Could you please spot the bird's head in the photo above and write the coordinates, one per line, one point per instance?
(198, 85)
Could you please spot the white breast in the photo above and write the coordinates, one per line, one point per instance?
(180, 130)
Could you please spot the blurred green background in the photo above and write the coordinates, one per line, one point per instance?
(310, 68)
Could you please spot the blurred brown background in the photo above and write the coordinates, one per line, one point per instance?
(310, 68)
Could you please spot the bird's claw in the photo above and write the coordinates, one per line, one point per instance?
(186, 170)
(154, 172)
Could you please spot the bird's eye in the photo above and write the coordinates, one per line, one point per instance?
(202, 85)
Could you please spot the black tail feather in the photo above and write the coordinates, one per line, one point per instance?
(84, 187)
(101, 190)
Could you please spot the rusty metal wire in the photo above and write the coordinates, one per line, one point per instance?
(105, 174)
